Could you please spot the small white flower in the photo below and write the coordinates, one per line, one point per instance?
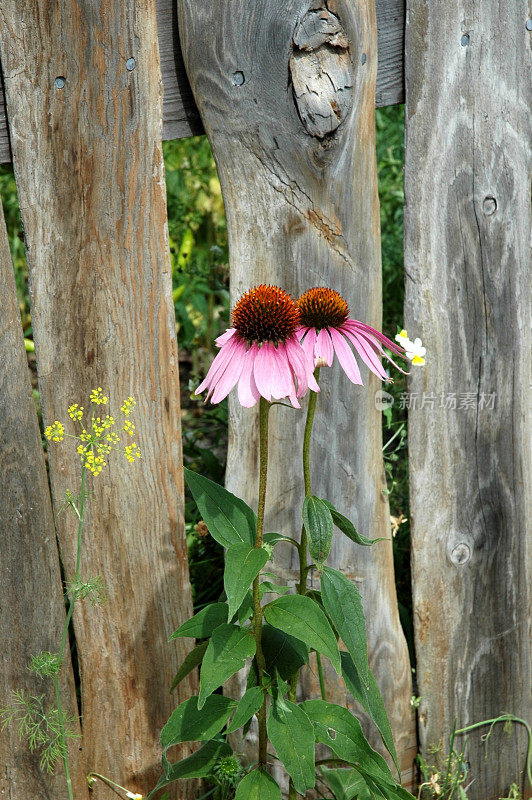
(414, 351)
(133, 796)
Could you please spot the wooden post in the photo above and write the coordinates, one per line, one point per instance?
(32, 611)
(298, 174)
(467, 249)
(83, 89)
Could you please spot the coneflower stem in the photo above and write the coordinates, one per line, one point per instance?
(303, 567)
(264, 410)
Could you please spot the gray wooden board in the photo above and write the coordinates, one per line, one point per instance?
(469, 290)
(180, 114)
(32, 609)
(302, 210)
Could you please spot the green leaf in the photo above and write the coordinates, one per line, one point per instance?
(267, 587)
(257, 785)
(273, 538)
(249, 705)
(346, 784)
(188, 724)
(347, 527)
(301, 617)
(226, 653)
(192, 660)
(343, 605)
(282, 652)
(319, 526)
(383, 791)
(198, 765)
(371, 701)
(291, 733)
(246, 609)
(228, 518)
(202, 624)
(341, 731)
(243, 562)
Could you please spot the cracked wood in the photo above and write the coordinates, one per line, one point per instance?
(469, 291)
(90, 177)
(303, 211)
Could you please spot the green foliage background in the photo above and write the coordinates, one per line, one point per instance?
(198, 240)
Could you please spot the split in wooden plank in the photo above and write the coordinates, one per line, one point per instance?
(90, 176)
(180, 114)
(469, 291)
(302, 210)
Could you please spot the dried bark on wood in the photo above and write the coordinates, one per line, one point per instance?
(32, 610)
(90, 176)
(469, 290)
(302, 210)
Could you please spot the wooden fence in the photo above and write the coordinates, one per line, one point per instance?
(82, 119)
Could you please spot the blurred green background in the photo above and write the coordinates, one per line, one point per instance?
(198, 241)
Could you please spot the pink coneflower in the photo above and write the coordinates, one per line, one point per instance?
(261, 352)
(326, 330)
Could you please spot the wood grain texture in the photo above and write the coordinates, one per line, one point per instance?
(90, 177)
(32, 611)
(303, 211)
(180, 114)
(469, 290)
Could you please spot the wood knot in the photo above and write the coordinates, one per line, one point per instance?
(320, 67)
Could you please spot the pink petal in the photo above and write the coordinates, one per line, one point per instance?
(224, 337)
(308, 344)
(248, 394)
(345, 357)
(218, 366)
(355, 326)
(377, 347)
(287, 384)
(366, 354)
(324, 347)
(232, 373)
(301, 332)
(302, 367)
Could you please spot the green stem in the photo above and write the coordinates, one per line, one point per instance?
(64, 638)
(264, 410)
(108, 781)
(506, 718)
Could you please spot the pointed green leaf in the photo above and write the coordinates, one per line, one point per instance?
(267, 587)
(257, 785)
(282, 652)
(301, 617)
(318, 524)
(383, 791)
(343, 605)
(291, 733)
(226, 653)
(246, 609)
(188, 724)
(371, 701)
(347, 527)
(192, 660)
(341, 731)
(273, 538)
(228, 518)
(243, 562)
(346, 784)
(198, 765)
(249, 705)
(202, 624)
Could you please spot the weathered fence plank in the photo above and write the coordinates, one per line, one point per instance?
(180, 115)
(303, 210)
(90, 176)
(29, 569)
(469, 290)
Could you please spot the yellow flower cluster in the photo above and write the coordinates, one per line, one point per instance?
(55, 432)
(97, 397)
(97, 440)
